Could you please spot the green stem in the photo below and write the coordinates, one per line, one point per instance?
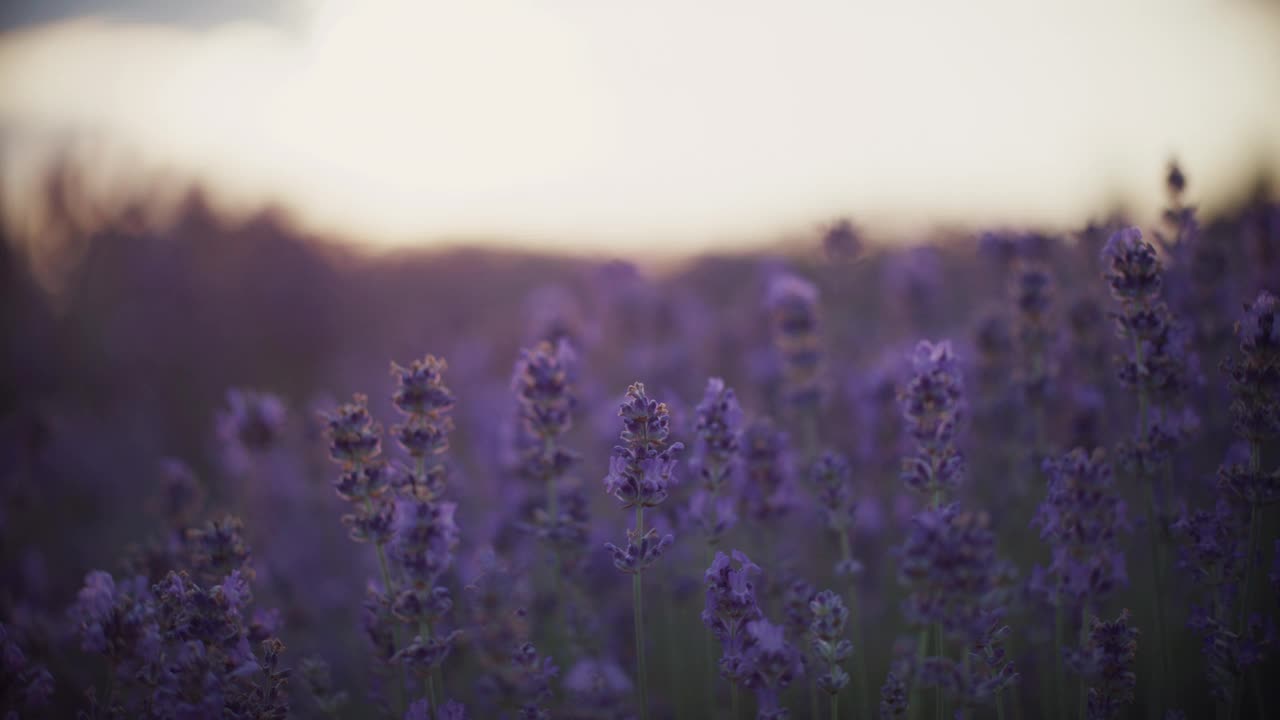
(1084, 635)
(638, 606)
(735, 702)
(1059, 672)
(1255, 466)
(1153, 524)
(939, 712)
(424, 628)
(859, 650)
(390, 590)
(999, 707)
(835, 707)
(922, 648)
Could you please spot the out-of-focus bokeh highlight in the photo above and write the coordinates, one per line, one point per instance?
(660, 127)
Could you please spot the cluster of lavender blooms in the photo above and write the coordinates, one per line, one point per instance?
(26, 685)
(830, 480)
(716, 461)
(1220, 545)
(958, 586)
(755, 654)
(967, 520)
(1081, 518)
(543, 384)
(398, 509)
(1159, 364)
(793, 304)
(641, 473)
(1107, 659)
(933, 407)
(186, 644)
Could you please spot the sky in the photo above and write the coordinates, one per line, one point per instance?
(672, 125)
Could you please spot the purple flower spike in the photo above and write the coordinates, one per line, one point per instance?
(793, 304)
(1108, 659)
(730, 606)
(1131, 267)
(1254, 376)
(642, 469)
(932, 405)
(1080, 518)
(719, 427)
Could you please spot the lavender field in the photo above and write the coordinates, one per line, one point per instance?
(1014, 474)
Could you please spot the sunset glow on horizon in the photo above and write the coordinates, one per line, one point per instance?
(588, 125)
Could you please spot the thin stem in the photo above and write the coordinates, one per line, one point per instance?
(390, 590)
(1059, 672)
(559, 633)
(999, 707)
(938, 711)
(922, 648)
(735, 702)
(1084, 634)
(1255, 466)
(859, 646)
(835, 707)
(1153, 524)
(638, 606)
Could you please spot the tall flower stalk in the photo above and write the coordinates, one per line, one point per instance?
(640, 473)
(797, 337)
(932, 406)
(1157, 367)
(718, 428)
(401, 512)
(830, 478)
(426, 535)
(543, 385)
(1106, 658)
(1080, 518)
(1254, 378)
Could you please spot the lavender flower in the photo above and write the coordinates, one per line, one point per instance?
(718, 427)
(770, 666)
(1131, 268)
(956, 580)
(426, 402)
(730, 607)
(181, 648)
(893, 697)
(829, 646)
(252, 422)
(536, 674)
(318, 679)
(641, 471)
(1081, 517)
(24, 684)
(1228, 654)
(1107, 658)
(793, 305)
(542, 381)
(767, 466)
(841, 241)
(830, 478)
(425, 535)
(1254, 378)
(1032, 296)
(932, 405)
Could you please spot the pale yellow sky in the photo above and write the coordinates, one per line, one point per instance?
(589, 123)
